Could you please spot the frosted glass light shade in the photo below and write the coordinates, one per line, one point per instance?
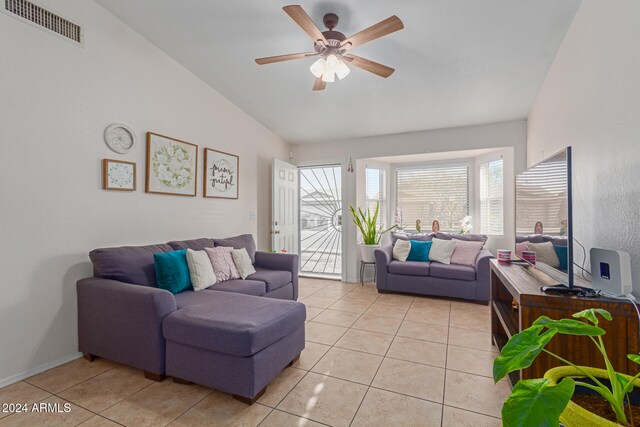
(332, 62)
(329, 76)
(318, 68)
(342, 70)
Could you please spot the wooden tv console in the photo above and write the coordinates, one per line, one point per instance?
(517, 301)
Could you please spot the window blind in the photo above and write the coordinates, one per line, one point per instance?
(433, 192)
(492, 198)
(375, 189)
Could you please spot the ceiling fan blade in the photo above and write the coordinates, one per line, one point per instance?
(370, 66)
(319, 84)
(298, 14)
(280, 58)
(381, 29)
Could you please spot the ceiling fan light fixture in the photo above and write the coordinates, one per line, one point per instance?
(342, 70)
(318, 68)
(332, 62)
(329, 76)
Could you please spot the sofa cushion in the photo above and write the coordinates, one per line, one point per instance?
(129, 264)
(466, 253)
(240, 325)
(464, 237)
(419, 251)
(239, 286)
(409, 268)
(172, 271)
(243, 262)
(195, 244)
(423, 237)
(242, 241)
(275, 279)
(452, 271)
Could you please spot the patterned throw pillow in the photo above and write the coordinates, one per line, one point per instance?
(222, 263)
(521, 247)
(466, 253)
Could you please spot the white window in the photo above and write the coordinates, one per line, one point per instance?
(375, 189)
(432, 192)
(492, 198)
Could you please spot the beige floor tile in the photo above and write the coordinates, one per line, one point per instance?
(397, 300)
(107, 389)
(324, 399)
(353, 306)
(21, 392)
(413, 379)
(454, 417)
(282, 419)
(470, 307)
(332, 293)
(337, 318)
(57, 412)
(384, 325)
(323, 334)
(156, 405)
(386, 310)
(98, 421)
(319, 302)
(470, 360)
(382, 408)
(368, 342)
(427, 352)
(313, 283)
(431, 302)
(471, 339)
(423, 331)
(281, 385)
(348, 365)
(72, 373)
(369, 297)
(313, 312)
(476, 320)
(475, 393)
(306, 292)
(310, 355)
(340, 286)
(219, 409)
(435, 315)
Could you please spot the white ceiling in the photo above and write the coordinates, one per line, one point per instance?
(433, 157)
(458, 62)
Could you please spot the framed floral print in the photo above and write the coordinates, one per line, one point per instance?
(221, 171)
(171, 166)
(118, 175)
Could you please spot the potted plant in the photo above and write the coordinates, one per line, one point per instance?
(547, 401)
(371, 234)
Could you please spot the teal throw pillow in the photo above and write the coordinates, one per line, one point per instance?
(172, 271)
(419, 251)
(563, 256)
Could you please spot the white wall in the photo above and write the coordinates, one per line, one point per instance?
(495, 135)
(55, 101)
(590, 100)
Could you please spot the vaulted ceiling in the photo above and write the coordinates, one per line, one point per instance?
(458, 62)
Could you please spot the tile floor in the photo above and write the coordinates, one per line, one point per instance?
(370, 360)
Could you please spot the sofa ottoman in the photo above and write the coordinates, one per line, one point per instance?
(234, 343)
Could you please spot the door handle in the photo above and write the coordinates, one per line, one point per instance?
(276, 232)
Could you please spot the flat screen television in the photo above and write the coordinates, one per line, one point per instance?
(543, 216)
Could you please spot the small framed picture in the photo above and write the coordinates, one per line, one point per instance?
(118, 175)
(171, 166)
(221, 172)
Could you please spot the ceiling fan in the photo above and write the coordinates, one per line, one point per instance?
(332, 47)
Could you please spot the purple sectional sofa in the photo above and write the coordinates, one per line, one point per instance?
(433, 278)
(235, 336)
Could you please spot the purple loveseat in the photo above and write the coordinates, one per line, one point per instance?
(235, 336)
(434, 278)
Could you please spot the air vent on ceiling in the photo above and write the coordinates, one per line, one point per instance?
(44, 19)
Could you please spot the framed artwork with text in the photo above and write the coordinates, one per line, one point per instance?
(221, 172)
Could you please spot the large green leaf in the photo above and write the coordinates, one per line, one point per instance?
(590, 315)
(521, 350)
(537, 403)
(569, 326)
(634, 358)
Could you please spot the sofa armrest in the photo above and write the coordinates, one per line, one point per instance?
(123, 322)
(483, 274)
(384, 255)
(281, 261)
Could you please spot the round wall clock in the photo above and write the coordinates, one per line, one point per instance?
(120, 138)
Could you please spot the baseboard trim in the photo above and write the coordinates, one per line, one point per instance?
(31, 372)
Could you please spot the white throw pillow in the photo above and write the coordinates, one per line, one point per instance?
(243, 262)
(545, 253)
(401, 250)
(441, 250)
(200, 270)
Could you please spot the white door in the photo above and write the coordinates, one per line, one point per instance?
(284, 226)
